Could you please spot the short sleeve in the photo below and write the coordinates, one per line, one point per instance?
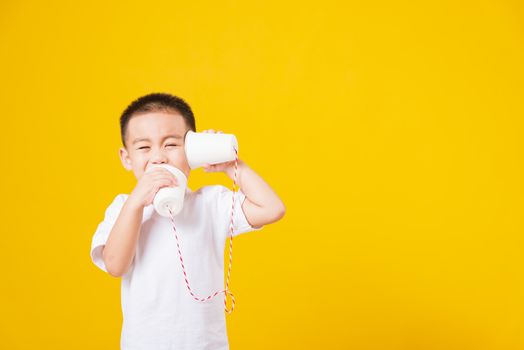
(104, 228)
(222, 213)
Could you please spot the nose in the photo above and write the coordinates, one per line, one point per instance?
(158, 157)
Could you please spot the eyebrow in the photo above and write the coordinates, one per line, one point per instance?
(165, 137)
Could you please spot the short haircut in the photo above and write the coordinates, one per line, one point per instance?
(156, 102)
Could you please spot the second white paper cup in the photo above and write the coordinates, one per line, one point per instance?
(202, 147)
(170, 197)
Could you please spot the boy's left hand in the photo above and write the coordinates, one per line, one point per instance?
(220, 167)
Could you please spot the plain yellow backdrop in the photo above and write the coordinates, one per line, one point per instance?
(391, 130)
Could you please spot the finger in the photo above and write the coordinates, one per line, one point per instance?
(161, 173)
(172, 179)
(152, 170)
(165, 177)
(211, 130)
(162, 183)
(168, 174)
(219, 132)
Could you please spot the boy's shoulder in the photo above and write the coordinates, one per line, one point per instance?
(118, 200)
(113, 209)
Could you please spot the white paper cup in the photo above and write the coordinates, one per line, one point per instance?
(170, 197)
(203, 147)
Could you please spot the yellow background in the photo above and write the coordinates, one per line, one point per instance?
(391, 130)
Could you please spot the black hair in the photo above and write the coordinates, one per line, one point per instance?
(156, 102)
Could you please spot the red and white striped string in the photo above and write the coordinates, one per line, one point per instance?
(225, 291)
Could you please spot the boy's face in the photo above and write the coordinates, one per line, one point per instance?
(155, 138)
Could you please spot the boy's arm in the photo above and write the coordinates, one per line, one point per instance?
(262, 206)
(120, 247)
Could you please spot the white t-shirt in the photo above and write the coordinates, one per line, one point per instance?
(158, 311)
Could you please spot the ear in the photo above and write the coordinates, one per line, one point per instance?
(124, 157)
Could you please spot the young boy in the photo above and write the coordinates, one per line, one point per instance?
(136, 243)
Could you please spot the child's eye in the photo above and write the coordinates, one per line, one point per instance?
(143, 147)
(170, 145)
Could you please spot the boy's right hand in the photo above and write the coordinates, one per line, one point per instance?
(149, 184)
